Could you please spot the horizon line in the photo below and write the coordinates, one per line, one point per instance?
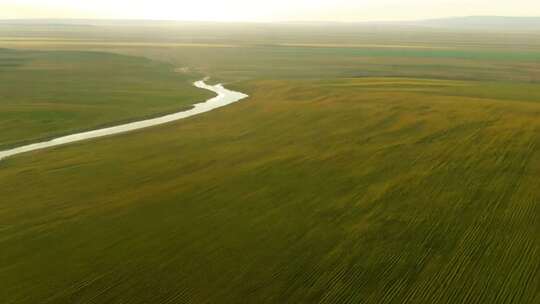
(265, 21)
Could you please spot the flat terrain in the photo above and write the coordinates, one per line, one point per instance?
(46, 94)
(283, 51)
(352, 174)
(353, 190)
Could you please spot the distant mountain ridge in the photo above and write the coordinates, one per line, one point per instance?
(483, 22)
(463, 23)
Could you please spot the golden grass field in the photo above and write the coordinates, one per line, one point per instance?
(334, 191)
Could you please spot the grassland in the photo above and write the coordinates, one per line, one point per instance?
(233, 52)
(322, 191)
(354, 173)
(45, 94)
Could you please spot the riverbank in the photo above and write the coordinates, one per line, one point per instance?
(224, 97)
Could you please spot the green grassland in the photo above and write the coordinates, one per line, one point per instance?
(244, 62)
(373, 190)
(45, 94)
(356, 172)
(288, 62)
(232, 52)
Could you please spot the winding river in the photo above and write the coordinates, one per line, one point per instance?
(224, 97)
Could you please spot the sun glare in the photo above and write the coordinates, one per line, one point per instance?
(276, 10)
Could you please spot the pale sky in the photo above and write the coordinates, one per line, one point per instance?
(268, 10)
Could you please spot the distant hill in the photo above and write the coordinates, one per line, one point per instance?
(483, 22)
(494, 23)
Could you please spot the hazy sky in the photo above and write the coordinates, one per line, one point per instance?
(268, 10)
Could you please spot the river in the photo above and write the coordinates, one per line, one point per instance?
(224, 97)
